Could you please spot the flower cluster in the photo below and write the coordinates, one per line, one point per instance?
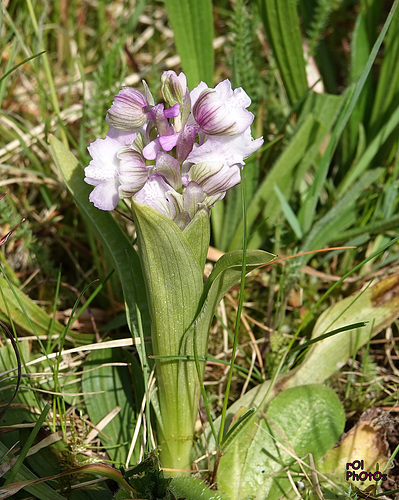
(178, 157)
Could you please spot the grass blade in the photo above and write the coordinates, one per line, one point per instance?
(192, 24)
(282, 26)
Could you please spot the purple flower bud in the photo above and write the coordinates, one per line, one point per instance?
(221, 111)
(193, 196)
(129, 109)
(169, 168)
(158, 116)
(133, 171)
(215, 177)
(173, 87)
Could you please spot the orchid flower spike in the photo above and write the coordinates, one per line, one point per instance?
(180, 156)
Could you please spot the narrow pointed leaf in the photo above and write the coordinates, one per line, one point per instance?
(282, 26)
(119, 248)
(192, 24)
(227, 273)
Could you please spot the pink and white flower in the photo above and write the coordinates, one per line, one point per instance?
(178, 159)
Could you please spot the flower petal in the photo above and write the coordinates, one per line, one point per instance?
(169, 168)
(133, 171)
(152, 149)
(105, 163)
(215, 178)
(128, 111)
(168, 142)
(124, 137)
(153, 194)
(105, 195)
(221, 111)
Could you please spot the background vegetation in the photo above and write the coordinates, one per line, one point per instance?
(324, 82)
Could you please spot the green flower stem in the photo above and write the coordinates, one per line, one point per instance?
(172, 263)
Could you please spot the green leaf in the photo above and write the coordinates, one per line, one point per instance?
(173, 276)
(225, 274)
(341, 216)
(386, 97)
(194, 489)
(360, 48)
(282, 27)
(41, 491)
(253, 464)
(119, 248)
(197, 233)
(390, 125)
(28, 443)
(174, 284)
(289, 213)
(25, 313)
(113, 390)
(192, 24)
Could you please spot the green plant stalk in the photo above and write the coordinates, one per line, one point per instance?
(173, 271)
(238, 315)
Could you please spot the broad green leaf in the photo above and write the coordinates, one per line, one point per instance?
(302, 420)
(111, 389)
(181, 307)
(192, 24)
(119, 248)
(377, 305)
(282, 27)
(197, 234)
(173, 276)
(174, 284)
